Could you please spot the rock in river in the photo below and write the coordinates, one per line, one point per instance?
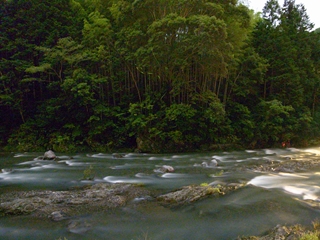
(58, 204)
(49, 155)
(79, 226)
(61, 205)
(164, 169)
(58, 216)
(187, 194)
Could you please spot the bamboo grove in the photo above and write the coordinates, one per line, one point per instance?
(166, 75)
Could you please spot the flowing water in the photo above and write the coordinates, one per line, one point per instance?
(265, 201)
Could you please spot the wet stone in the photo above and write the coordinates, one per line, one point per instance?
(79, 226)
(288, 166)
(193, 193)
(56, 204)
(58, 216)
(281, 232)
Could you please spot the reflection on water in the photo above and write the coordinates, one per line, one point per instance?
(267, 200)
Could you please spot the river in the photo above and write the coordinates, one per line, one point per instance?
(267, 199)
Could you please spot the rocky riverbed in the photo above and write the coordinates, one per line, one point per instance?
(288, 164)
(58, 205)
(295, 232)
(63, 205)
(137, 187)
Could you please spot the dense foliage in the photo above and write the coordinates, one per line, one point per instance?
(168, 75)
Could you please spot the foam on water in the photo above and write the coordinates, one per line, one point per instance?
(248, 159)
(306, 192)
(117, 179)
(75, 163)
(294, 175)
(17, 155)
(295, 184)
(30, 162)
(44, 164)
(274, 151)
(155, 158)
(100, 155)
(36, 168)
(175, 175)
(18, 177)
(220, 158)
(274, 180)
(6, 171)
(180, 156)
(250, 151)
(313, 150)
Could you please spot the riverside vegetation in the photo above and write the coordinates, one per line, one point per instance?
(159, 76)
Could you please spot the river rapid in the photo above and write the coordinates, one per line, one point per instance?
(268, 198)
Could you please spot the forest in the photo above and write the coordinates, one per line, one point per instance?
(157, 76)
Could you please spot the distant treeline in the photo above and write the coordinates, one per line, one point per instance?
(159, 75)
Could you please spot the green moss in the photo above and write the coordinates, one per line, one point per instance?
(204, 184)
(89, 173)
(316, 224)
(212, 190)
(310, 236)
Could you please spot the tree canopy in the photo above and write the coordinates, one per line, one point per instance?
(169, 75)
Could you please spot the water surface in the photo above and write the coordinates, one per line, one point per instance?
(266, 200)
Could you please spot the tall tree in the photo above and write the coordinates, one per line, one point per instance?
(284, 39)
(26, 25)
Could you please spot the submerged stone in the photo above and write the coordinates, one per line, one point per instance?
(79, 226)
(164, 169)
(58, 216)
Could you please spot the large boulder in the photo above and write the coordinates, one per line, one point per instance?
(49, 155)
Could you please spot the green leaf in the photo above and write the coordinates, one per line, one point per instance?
(35, 69)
